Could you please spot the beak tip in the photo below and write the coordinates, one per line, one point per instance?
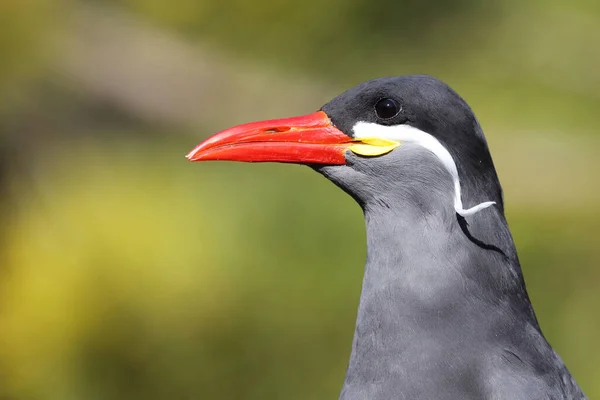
(191, 155)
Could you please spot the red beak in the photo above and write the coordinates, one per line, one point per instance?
(309, 139)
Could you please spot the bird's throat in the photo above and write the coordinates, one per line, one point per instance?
(432, 302)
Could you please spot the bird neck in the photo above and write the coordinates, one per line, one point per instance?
(438, 291)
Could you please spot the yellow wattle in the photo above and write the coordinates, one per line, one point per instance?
(371, 147)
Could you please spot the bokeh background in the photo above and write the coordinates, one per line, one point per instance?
(127, 272)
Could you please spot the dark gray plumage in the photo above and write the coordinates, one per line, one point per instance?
(444, 313)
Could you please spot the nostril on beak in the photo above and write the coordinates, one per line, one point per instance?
(278, 129)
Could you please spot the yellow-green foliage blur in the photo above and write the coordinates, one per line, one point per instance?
(127, 272)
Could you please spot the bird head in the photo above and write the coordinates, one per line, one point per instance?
(389, 135)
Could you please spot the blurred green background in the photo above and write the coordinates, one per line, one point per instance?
(127, 272)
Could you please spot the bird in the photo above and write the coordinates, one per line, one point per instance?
(444, 311)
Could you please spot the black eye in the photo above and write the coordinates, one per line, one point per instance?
(387, 108)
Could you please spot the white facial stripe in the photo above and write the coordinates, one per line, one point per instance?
(407, 133)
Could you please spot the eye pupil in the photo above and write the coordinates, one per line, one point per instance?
(387, 108)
